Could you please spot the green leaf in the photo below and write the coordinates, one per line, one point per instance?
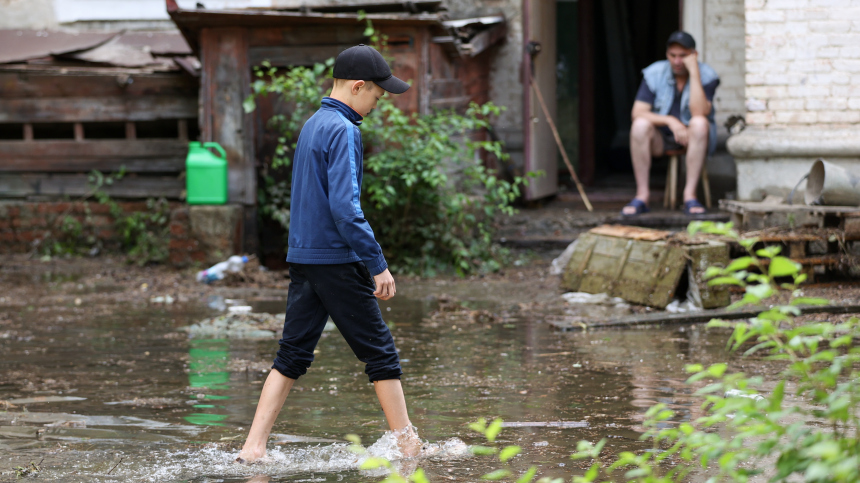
(419, 476)
(717, 370)
(809, 301)
(783, 267)
(528, 476)
(373, 463)
(480, 425)
(726, 281)
(496, 475)
(248, 105)
(741, 263)
(483, 450)
(508, 453)
(493, 430)
(769, 251)
(776, 397)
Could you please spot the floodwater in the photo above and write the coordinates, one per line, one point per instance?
(122, 395)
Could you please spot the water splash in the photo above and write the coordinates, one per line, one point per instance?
(281, 461)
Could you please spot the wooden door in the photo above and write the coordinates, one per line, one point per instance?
(541, 150)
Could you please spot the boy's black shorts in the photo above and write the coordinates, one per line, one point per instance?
(344, 292)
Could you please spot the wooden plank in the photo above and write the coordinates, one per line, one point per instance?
(23, 185)
(746, 207)
(142, 155)
(285, 56)
(83, 109)
(631, 232)
(79, 131)
(17, 85)
(28, 132)
(661, 318)
(225, 84)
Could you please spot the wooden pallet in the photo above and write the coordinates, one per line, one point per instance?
(749, 215)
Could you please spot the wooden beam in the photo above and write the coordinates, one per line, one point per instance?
(23, 185)
(147, 155)
(83, 109)
(130, 130)
(79, 131)
(28, 132)
(182, 126)
(285, 56)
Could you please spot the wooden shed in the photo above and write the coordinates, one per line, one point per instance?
(448, 64)
(73, 103)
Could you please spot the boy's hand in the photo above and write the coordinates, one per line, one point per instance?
(384, 285)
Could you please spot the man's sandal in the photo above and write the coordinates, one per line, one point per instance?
(690, 204)
(638, 205)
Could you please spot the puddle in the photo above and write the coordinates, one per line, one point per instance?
(124, 395)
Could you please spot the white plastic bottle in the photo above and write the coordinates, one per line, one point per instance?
(217, 271)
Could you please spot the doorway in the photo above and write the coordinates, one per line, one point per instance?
(601, 47)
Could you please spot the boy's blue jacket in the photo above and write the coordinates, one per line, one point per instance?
(327, 225)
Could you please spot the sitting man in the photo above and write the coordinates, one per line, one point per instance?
(673, 109)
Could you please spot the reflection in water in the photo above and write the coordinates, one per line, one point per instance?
(208, 361)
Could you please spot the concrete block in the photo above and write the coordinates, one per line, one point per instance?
(759, 118)
(786, 4)
(828, 104)
(217, 229)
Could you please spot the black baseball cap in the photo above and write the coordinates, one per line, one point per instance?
(683, 39)
(363, 62)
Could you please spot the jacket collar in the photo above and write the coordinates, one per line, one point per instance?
(348, 112)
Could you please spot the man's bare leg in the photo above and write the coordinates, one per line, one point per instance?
(697, 148)
(390, 394)
(272, 398)
(645, 142)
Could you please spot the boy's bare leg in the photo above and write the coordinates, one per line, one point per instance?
(275, 392)
(390, 394)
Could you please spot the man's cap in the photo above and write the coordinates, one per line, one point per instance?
(683, 39)
(363, 62)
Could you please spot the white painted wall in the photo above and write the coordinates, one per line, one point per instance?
(26, 14)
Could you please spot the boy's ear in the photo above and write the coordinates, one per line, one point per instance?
(356, 86)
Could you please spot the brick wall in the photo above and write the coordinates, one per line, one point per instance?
(198, 234)
(803, 63)
(724, 51)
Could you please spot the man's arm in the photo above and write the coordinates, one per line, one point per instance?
(699, 104)
(643, 109)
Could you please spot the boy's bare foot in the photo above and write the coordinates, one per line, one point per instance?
(248, 455)
(408, 442)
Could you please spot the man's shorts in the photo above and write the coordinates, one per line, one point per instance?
(669, 143)
(344, 292)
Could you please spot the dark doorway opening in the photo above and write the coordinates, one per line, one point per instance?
(630, 35)
(612, 41)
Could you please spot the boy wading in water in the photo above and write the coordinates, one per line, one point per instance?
(336, 265)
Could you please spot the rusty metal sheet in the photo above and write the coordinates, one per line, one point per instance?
(157, 43)
(114, 52)
(20, 45)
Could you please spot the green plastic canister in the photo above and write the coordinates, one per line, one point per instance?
(205, 175)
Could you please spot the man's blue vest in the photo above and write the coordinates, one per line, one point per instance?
(660, 80)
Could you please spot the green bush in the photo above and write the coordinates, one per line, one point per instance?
(427, 194)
